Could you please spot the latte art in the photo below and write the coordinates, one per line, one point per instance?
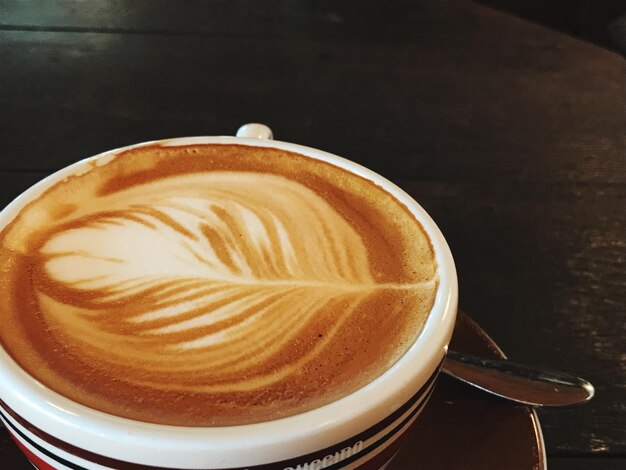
(223, 278)
(214, 295)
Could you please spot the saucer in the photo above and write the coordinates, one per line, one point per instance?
(461, 428)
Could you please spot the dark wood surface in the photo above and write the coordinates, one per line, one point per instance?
(509, 134)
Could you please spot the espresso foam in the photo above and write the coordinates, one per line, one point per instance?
(212, 284)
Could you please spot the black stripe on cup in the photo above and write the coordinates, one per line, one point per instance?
(383, 440)
(41, 449)
(421, 396)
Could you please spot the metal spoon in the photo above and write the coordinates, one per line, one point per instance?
(519, 383)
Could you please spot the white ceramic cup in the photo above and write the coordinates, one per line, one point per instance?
(362, 430)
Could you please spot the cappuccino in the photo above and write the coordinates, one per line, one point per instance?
(212, 285)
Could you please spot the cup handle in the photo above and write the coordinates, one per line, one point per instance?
(254, 130)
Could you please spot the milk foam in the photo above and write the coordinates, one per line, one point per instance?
(225, 283)
(263, 254)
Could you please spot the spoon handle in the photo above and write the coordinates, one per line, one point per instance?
(519, 383)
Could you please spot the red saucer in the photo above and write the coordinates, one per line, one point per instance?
(460, 429)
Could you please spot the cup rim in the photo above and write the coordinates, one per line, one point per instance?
(307, 431)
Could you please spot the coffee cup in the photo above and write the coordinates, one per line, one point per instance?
(60, 426)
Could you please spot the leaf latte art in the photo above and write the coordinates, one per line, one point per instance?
(214, 278)
(232, 292)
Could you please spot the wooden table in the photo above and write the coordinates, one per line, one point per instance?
(509, 134)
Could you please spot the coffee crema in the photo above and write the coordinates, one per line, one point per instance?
(210, 285)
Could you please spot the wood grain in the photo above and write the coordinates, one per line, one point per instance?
(541, 268)
(547, 114)
(590, 463)
(340, 19)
